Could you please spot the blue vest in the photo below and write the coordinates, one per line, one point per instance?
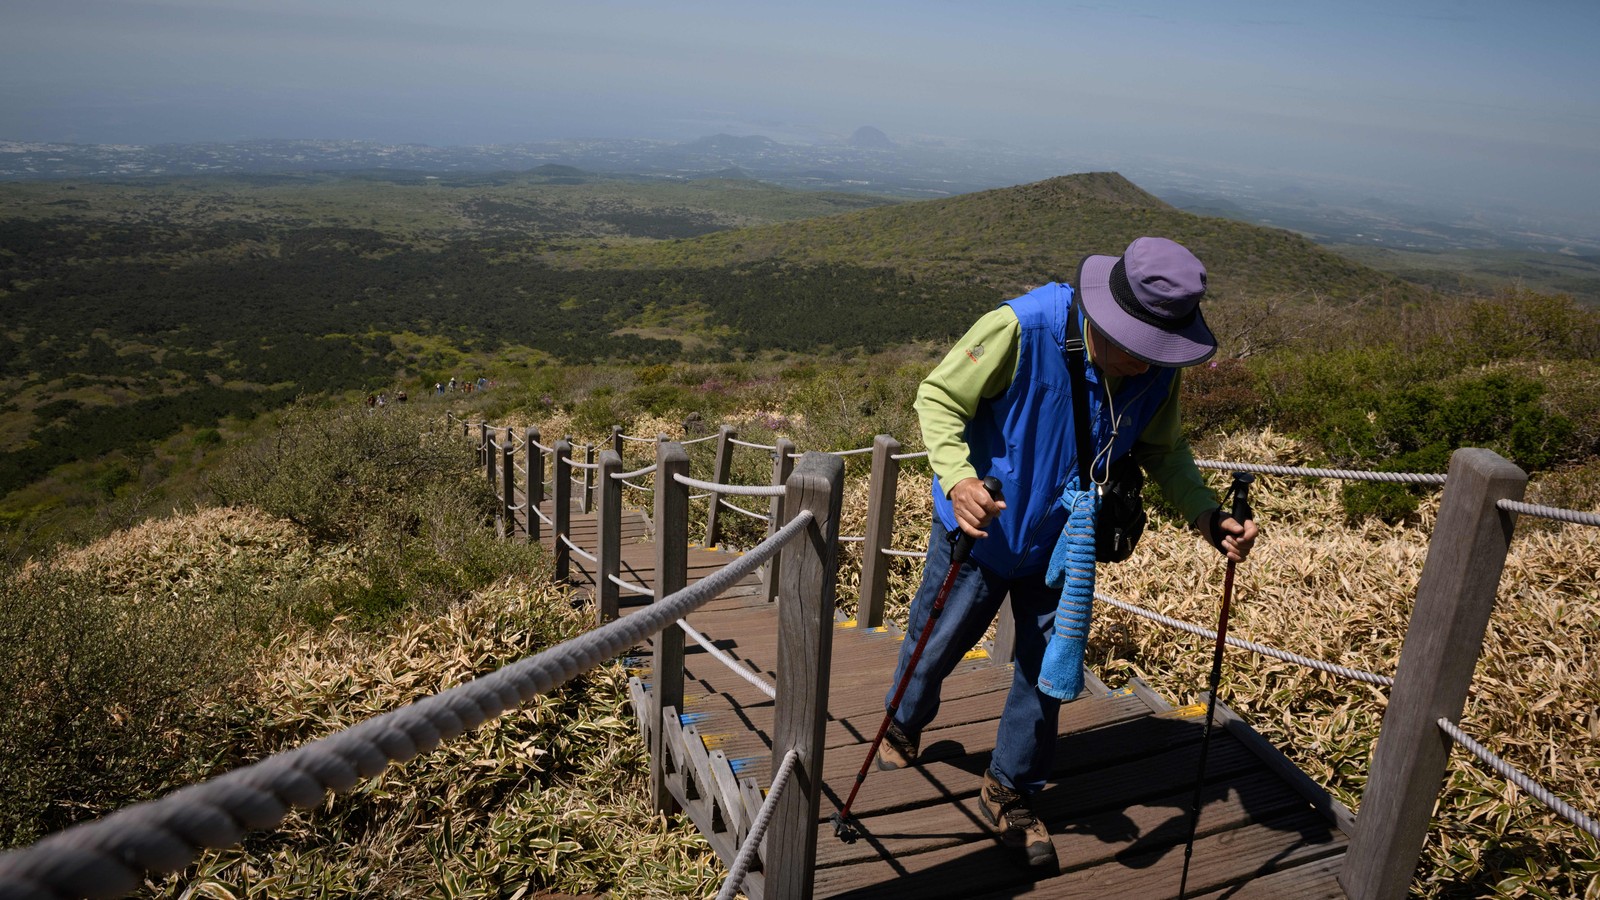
(1025, 436)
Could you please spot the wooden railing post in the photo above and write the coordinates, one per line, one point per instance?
(782, 466)
(586, 501)
(719, 475)
(805, 651)
(1455, 596)
(561, 506)
(485, 458)
(609, 550)
(616, 439)
(508, 485)
(535, 484)
(880, 531)
(672, 573)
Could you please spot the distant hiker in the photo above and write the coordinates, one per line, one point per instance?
(452, 383)
(381, 401)
(371, 401)
(1000, 404)
(400, 397)
(482, 382)
(438, 389)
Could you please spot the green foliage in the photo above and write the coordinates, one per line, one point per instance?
(101, 686)
(416, 510)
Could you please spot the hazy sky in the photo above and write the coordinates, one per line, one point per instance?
(1492, 100)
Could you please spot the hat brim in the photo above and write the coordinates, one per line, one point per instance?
(1185, 346)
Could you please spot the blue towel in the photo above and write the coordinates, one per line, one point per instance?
(1072, 570)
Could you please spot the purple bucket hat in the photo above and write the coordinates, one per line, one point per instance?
(1147, 302)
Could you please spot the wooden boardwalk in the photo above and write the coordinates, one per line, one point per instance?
(1117, 803)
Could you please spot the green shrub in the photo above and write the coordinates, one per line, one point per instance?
(101, 690)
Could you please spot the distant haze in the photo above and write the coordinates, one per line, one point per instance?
(1487, 103)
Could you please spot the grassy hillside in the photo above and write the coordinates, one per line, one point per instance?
(1011, 238)
(147, 312)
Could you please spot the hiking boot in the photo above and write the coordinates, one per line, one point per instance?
(897, 750)
(1011, 813)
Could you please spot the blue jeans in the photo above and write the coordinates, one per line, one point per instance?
(1026, 741)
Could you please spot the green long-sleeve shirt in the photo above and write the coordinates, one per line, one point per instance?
(983, 364)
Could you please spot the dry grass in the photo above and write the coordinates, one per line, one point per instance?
(551, 796)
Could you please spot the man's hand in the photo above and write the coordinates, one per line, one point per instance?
(1225, 533)
(974, 507)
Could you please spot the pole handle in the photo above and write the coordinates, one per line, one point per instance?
(1241, 501)
(964, 541)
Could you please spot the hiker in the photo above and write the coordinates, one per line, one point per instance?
(1000, 405)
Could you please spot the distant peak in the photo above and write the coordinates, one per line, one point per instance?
(868, 138)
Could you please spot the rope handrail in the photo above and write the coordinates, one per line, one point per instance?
(917, 455)
(1514, 775)
(543, 448)
(1253, 647)
(637, 440)
(739, 509)
(542, 517)
(758, 828)
(1571, 516)
(738, 490)
(1346, 474)
(908, 554)
(630, 586)
(586, 466)
(579, 550)
(637, 487)
(750, 445)
(856, 452)
(852, 539)
(698, 440)
(108, 857)
(730, 662)
(624, 476)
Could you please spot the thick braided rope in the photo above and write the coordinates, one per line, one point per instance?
(750, 445)
(624, 476)
(1253, 647)
(1346, 474)
(918, 455)
(637, 440)
(543, 448)
(1550, 512)
(107, 857)
(909, 554)
(579, 550)
(732, 664)
(640, 487)
(1514, 775)
(543, 518)
(758, 828)
(578, 465)
(856, 452)
(737, 490)
(699, 440)
(739, 509)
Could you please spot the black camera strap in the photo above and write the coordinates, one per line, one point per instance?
(1080, 400)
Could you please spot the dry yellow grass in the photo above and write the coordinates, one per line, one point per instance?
(188, 556)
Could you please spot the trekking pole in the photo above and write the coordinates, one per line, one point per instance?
(1241, 514)
(844, 828)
